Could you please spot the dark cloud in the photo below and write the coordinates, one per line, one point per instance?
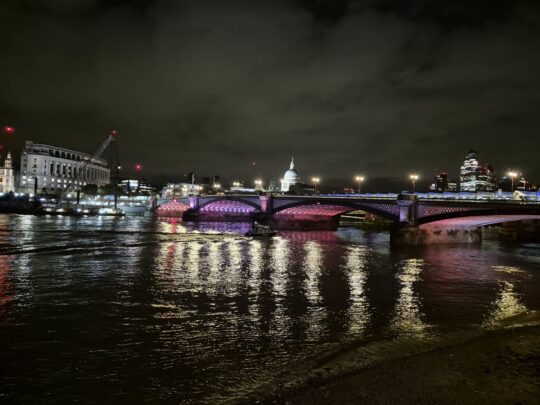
(378, 87)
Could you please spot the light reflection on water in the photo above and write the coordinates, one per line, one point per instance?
(408, 317)
(140, 309)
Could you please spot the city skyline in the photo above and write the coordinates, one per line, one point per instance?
(424, 181)
(393, 88)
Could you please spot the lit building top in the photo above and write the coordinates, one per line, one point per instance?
(33, 148)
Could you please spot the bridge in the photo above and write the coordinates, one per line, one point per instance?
(416, 220)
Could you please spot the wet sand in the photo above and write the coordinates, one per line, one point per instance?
(496, 366)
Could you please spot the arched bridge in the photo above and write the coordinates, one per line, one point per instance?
(321, 210)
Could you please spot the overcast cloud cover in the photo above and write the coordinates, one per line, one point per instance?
(380, 88)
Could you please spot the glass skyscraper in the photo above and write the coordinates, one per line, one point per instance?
(474, 177)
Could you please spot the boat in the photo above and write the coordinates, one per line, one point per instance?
(260, 230)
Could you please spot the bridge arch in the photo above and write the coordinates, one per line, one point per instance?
(232, 201)
(475, 221)
(228, 209)
(173, 208)
(334, 208)
(491, 216)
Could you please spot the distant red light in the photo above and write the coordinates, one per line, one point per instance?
(114, 132)
(138, 167)
(9, 130)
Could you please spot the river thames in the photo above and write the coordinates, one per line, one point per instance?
(138, 309)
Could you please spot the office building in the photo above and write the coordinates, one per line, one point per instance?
(474, 177)
(51, 169)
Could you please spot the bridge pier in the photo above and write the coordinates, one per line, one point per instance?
(265, 202)
(432, 234)
(194, 202)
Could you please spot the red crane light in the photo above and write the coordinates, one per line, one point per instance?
(9, 130)
(114, 132)
(138, 167)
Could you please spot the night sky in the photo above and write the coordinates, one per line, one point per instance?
(380, 88)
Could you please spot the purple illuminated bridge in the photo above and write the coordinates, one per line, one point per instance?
(416, 220)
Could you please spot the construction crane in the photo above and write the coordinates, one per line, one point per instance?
(81, 172)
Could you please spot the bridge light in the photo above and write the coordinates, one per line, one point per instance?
(315, 181)
(258, 184)
(359, 180)
(512, 174)
(414, 177)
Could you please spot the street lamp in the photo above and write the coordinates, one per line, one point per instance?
(512, 174)
(359, 180)
(258, 184)
(315, 181)
(414, 178)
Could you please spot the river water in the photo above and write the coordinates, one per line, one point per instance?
(137, 309)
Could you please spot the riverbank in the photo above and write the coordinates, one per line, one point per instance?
(498, 367)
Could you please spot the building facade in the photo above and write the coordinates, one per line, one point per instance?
(130, 186)
(474, 177)
(54, 168)
(173, 190)
(7, 178)
(440, 184)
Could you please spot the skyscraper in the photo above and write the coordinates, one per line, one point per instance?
(485, 180)
(469, 172)
(473, 177)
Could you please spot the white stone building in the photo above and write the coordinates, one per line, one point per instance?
(7, 178)
(54, 168)
(290, 178)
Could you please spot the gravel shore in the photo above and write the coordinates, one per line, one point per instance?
(498, 363)
(497, 367)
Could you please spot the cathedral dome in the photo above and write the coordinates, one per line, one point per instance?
(290, 178)
(291, 175)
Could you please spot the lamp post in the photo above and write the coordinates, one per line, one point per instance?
(414, 178)
(258, 184)
(512, 174)
(359, 180)
(315, 181)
